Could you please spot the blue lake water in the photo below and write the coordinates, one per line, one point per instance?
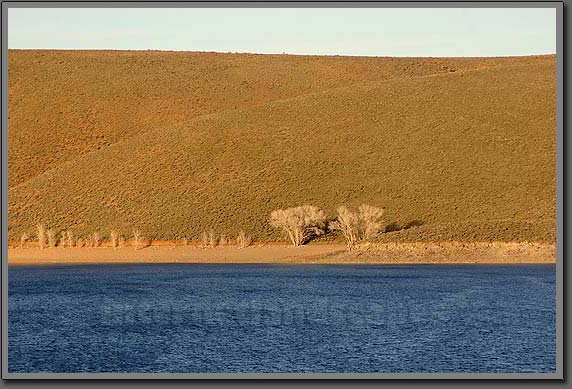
(274, 318)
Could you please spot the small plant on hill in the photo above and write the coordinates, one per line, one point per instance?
(41, 235)
(205, 239)
(51, 234)
(114, 236)
(223, 241)
(23, 239)
(62, 240)
(212, 239)
(299, 223)
(95, 240)
(243, 240)
(70, 239)
(137, 239)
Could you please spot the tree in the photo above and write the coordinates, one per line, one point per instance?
(348, 223)
(358, 226)
(299, 223)
(370, 221)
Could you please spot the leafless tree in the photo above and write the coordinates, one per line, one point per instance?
(370, 221)
(114, 236)
(348, 223)
(95, 239)
(51, 234)
(23, 239)
(137, 238)
(63, 240)
(358, 226)
(212, 239)
(243, 240)
(222, 240)
(299, 223)
(70, 237)
(41, 235)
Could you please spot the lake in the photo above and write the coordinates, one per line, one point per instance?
(274, 318)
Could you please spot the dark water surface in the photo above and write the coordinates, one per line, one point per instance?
(274, 318)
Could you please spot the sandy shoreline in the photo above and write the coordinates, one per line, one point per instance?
(390, 253)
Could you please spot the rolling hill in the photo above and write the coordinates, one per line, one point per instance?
(174, 144)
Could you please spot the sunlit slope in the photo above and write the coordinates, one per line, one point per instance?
(63, 104)
(469, 154)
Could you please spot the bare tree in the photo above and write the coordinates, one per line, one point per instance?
(51, 234)
(121, 241)
(299, 223)
(370, 221)
(95, 239)
(348, 223)
(62, 241)
(222, 241)
(41, 235)
(23, 239)
(70, 238)
(114, 236)
(243, 240)
(137, 238)
(358, 226)
(212, 239)
(205, 238)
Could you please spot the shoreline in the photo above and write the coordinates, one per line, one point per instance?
(369, 253)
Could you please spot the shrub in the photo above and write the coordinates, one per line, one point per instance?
(114, 236)
(299, 223)
(121, 241)
(70, 238)
(23, 239)
(212, 239)
(51, 234)
(62, 242)
(222, 240)
(243, 240)
(95, 239)
(41, 235)
(137, 239)
(205, 238)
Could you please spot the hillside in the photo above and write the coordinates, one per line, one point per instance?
(178, 143)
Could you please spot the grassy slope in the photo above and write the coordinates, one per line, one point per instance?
(469, 153)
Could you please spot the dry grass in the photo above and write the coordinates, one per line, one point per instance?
(466, 155)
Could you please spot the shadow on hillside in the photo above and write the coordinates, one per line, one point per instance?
(395, 226)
